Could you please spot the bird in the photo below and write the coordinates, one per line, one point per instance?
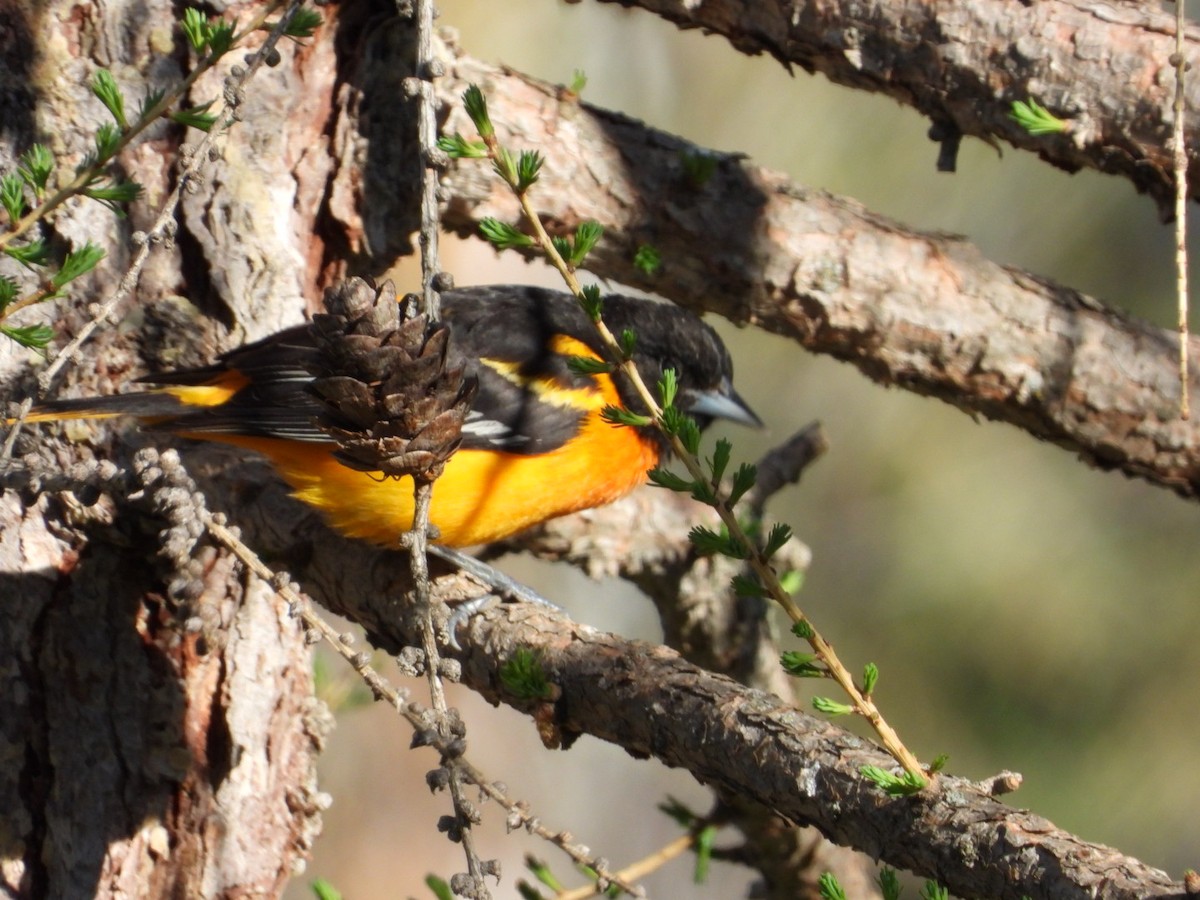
(534, 444)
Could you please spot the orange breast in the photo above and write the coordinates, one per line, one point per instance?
(482, 496)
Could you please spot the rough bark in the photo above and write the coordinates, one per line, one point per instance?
(156, 716)
(1102, 67)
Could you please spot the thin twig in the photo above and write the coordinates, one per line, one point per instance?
(421, 90)
(636, 870)
(432, 159)
(1179, 162)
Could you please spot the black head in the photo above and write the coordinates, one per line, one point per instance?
(517, 322)
(669, 337)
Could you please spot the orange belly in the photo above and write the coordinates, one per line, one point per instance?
(482, 496)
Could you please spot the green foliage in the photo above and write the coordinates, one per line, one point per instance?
(801, 665)
(665, 478)
(647, 260)
(36, 166)
(870, 677)
(78, 262)
(592, 302)
(628, 341)
(939, 763)
(831, 707)
(561, 245)
(743, 479)
(529, 167)
(679, 811)
(578, 82)
(618, 415)
(520, 175)
(934, 891)
(107, 140)
(195, 117)
(703, 492)
(35, 253)
(707, 541)
(718, 462)
(458, 147)
(540, 870)
(114, 193)
(476, 106)
(196, 28)
(829, 887)
(706, 838)
(903, 785)
(505, 166)
(791, 581)
(889, 883)
(803, 630)
(524, 677)
(303, 24)
(439, 886)
(35, 337)
(747, 586)
(214, 36)
(323, 890)
(1035, 118)
(588, 365)
(779, 535)
(504, 236)
(8, 291)
(150, 102)
(586, 237)
(668, 387)
(104, 86)
(677, 423)
(12, 196)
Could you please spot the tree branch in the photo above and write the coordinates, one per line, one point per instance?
(1101, 66)
(650, 701)
(923, 311)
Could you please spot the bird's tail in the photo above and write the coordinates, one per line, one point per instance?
(147, 406)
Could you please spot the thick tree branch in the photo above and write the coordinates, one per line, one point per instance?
(651, 702)
(1101, 66)
(923, 311)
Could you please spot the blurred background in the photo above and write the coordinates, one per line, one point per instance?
(1027, 612)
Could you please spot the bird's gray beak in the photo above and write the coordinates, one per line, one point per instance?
(723, 403)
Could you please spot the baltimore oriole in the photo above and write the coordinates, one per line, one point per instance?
(534, 445)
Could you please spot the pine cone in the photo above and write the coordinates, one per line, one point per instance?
(395, 395)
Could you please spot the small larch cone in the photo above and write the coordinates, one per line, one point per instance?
(395, 395)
